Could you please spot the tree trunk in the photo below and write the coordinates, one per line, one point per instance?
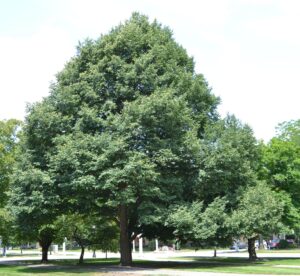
(251, 249)
(125, 248)
(45, 244)
(45, 248)
(215, 252)
(261, 242)
(81, 255)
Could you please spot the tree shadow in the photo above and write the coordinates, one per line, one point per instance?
(112, 265)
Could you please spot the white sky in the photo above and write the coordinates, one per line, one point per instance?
(248, 50)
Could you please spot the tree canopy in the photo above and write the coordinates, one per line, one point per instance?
(289, 131)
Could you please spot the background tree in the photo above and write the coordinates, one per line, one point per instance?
(259, 212)
(280, 167)
(206, 227)
(6, 234)
(88, 231)
(106, 238)
(34, 200)
(212, 231)
(289, 131)
(8, 143)
(33, 205)
(229, 161)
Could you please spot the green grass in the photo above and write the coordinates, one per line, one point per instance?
(239, 265)
(294, 250)
(59, 267)
(95, 267)
(9, 270)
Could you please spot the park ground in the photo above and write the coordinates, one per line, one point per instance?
(150, 263)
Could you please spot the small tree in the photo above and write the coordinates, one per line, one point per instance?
(212, 229)
(259, 212)
(88, 231)
(204, 226)
(6, 234)
(106, 237)
(33, 205)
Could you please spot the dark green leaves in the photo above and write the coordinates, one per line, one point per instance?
(8, 143)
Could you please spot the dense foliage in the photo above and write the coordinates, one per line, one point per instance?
(8, 143)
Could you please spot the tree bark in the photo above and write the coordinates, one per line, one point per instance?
(261, 242)
(45, 248)
(251, 249)
(125, 247)
(81, 255)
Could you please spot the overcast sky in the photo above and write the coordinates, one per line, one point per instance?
(248, 50)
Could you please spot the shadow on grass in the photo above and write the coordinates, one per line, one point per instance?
(58, 266)
(219, 262)
(112, 265)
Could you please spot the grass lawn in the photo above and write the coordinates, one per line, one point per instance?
(97, 267)
(294, 250)
(275, 266)
(59, 267)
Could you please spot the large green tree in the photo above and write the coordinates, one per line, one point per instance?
(120, 130)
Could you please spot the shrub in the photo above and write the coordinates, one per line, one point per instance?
(283, 244)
